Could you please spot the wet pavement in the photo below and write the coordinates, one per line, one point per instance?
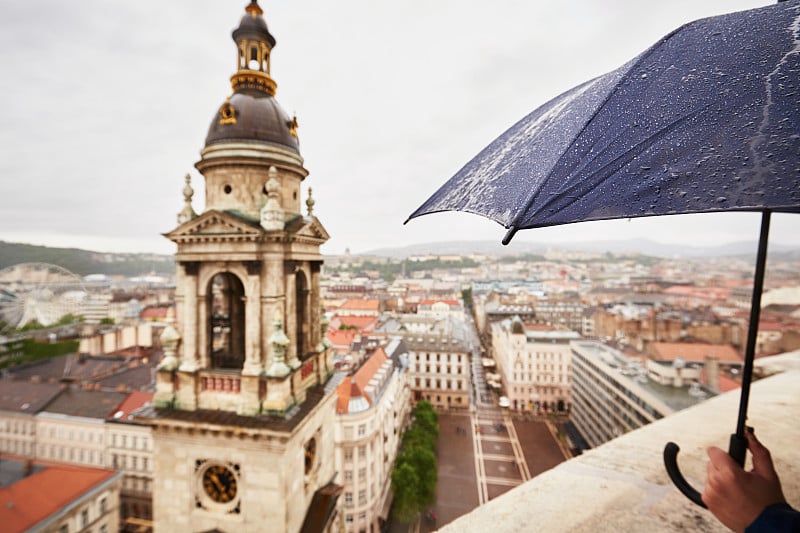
(478, 465)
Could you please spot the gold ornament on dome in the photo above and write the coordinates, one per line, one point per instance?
(227, 113)
(293, 125)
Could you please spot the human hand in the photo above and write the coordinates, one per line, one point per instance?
(736, 497)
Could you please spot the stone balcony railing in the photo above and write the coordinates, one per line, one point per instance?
(622, 486)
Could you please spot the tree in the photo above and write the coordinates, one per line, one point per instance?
(415, 474)
(423, 461)
(427, 419)
(404, 486)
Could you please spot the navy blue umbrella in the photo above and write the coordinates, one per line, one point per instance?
(706, 120)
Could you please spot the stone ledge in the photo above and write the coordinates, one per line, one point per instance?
(622, 485)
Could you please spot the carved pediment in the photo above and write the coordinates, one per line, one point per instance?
(307, 227)
(215, 224)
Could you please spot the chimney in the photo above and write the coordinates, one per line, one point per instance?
(712, 372)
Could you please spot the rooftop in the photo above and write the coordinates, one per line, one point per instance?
(28, 500)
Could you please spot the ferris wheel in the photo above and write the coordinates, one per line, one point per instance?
(39, 293)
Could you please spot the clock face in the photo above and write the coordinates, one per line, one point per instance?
(219, 482)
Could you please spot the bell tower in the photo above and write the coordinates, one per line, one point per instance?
(242, 420)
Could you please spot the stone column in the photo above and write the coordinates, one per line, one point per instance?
(253, 365)
(189, 319)
(290, 285)
(314, 302)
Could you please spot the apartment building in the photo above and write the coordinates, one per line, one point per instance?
(71, 428)
(533, 361)
(130, 450)
(439, 369)
(613, 394)
(372, 408)
(58, 498)
(19, 403)
(83, 427)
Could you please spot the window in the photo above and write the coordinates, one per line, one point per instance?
(362, 474)
(362, 497)
(348, 475)
(362, 430)
(348, 454)
(348, 498)
(362, 451)
(84, 518)
(103, 506)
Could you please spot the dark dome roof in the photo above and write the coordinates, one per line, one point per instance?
(258, 118)
(253, 26)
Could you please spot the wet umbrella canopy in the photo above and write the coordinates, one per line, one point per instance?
(706, 120)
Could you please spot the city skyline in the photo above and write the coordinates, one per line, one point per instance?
(109, 108)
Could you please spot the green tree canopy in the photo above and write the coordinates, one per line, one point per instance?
(404, 486)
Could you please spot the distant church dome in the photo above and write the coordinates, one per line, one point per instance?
(251, 113)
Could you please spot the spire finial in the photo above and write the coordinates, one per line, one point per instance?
(187, 213)
(310, 203)
(254, 9)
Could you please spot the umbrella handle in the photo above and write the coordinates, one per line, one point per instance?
(671, 463)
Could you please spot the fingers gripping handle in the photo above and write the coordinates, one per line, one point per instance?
(671, 463)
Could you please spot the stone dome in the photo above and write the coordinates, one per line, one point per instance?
(252, 118)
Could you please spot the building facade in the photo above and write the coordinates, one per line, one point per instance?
(534, 364)
(613, 394)
(48, 497)
(372, 409)
(439, 370)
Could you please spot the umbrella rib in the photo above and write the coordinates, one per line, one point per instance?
(617, 163)
(515, 224)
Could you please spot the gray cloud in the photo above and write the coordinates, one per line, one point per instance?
(108, 103)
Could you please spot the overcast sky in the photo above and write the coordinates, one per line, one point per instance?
(107, 105)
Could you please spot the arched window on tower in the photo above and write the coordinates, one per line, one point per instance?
(254, 64)
(226, 322)
(302, 307)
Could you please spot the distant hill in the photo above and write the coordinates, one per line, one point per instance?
(633, 247)
(85, 262)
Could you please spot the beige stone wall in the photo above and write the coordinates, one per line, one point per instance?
(273, 490)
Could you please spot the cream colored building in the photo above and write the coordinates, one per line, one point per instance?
(243, 423)
(71, 429)
(373, 405)
(439, 370)
(534, 364)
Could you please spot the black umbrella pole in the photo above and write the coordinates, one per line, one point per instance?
(738, 444)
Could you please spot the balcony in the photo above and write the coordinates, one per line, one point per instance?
(622, 485)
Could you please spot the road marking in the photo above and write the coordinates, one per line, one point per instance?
(480, 470)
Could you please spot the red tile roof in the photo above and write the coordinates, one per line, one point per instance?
(154, 313)
(341, 337)
(361, 304)
(452, 303)
(44, 493)
(695, 351)
(353, 386)
(134, 401)
(364, 323)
